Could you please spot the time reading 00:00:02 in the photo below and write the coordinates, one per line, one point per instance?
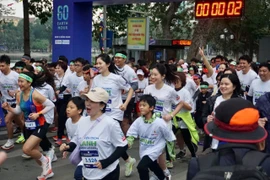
(218, 9)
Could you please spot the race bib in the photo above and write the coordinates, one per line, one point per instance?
(159, 106)
(30, 125)
(90, 158)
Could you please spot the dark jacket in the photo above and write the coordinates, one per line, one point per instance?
(199, 108)
(208, 110)
(228, 159)
(263, 105)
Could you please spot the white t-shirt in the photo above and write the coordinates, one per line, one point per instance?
(82, 85)
(62, 81)
(141, 85)
(191, 86)
(72, 127)
(113, 84)
(73, 81)
(129, 75)
(246, 79)
(48, 92)
(9, 83)
(152, 136)
(98, 144)
(219, 100)
(258, 88)
(165, 98)
(185, 97)
(211, 80)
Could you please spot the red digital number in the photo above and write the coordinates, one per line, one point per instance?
(231, 7)
(199, 10)
(215, 8)
(220, 8)
(237, 10)
(206, 8)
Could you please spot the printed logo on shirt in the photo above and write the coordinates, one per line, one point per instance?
(7, 86)
(159, 105)
(258, 94)
(154, 133)
(109, 91)
(146, 141)
(177, 98)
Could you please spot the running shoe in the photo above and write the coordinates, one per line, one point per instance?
(64, 138)
(168, 175)
(20, 140)
(47, 168)
(9, 144)
(25, 156)
(129, 166)
(181, 154)
(169, 164)
(53, 129)
(59, 142)
(51, 154)
(44, 177)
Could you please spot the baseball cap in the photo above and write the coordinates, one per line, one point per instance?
(97, 94)
(140, 72)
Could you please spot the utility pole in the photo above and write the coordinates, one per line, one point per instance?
(105, 27)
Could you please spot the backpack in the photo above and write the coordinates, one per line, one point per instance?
(246, 168)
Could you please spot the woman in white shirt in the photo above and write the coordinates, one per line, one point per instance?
(230, 88)
(165, 96)
(100, 140)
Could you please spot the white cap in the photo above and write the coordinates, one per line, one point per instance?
(140, 72)
(97, 95)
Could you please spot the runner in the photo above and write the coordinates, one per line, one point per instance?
(100, 139)
(34, 106)
(153, 134)
(261, 85)
(114, 84)
(131, 77)
(9, 87)
(246, 75)
(165, 96)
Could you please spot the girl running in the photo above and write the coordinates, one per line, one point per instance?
(34, 106)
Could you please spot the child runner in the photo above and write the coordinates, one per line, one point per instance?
(153, 134)
(34, 106)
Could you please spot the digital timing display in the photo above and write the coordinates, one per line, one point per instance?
(218, 8)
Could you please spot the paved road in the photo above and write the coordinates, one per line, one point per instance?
(17, 168)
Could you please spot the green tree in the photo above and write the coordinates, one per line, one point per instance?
(39, 8)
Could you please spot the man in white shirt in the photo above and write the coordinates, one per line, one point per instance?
(9, 88)
(260, 85)
(75, 78)
(246, 75)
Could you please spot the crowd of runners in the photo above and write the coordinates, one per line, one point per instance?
(98, 110)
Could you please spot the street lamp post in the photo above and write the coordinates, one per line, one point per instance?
(226, 36)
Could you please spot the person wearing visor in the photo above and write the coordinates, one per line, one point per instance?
(34, 106)
(239, 135)
(100, 139)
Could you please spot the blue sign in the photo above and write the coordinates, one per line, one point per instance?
(72, 29)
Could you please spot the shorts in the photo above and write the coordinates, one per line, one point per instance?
(40, 132)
